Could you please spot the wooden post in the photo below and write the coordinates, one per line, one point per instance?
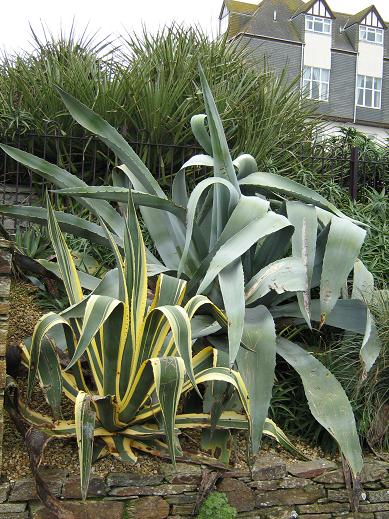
(5, 283)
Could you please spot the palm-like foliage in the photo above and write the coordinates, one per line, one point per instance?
(266, 249)
(149, 91)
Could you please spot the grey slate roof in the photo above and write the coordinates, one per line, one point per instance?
(261, 23)
(304, 8)
(358, 17)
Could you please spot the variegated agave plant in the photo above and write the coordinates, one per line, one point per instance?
(267, 250)
(138, 354)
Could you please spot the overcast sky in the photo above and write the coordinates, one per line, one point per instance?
(118, 16)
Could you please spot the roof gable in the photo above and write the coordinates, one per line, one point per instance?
(315, 8)
(237, 6)
(369, 16)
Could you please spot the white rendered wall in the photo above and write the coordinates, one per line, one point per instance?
(332, 128)
(370, 59)
(317, 51)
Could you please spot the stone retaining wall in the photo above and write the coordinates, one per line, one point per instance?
(274, 490)
(5, 283)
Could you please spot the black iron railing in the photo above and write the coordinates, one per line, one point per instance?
(92, 161)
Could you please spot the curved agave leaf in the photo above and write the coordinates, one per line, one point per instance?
(191, 213)
(179, 189)
(63, 179)
(256, 363)
(344, 242)
(124, 450)
(347, 314)
(157, 222)
(68, 222)
(43, 326)
(240, 243)
(179, 324)
(120, 194)
(199, 160)
(97, 311)
(97, 125)
(285, 186)
(64, 258)
(363, 288)
(223, 163)
(169, 379)
(327, 400)
(166, 231)
(273, 247)
(303, 218)
(245, 164)
(231, 281)
(285, 275)
(49, 371)
(363, 282)
(85, 423)
(200, 132)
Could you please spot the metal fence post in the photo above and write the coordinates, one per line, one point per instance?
(354, 167)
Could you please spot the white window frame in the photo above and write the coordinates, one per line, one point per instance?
(365, 30)
(375, 89)
(311, 21)
(322, 83)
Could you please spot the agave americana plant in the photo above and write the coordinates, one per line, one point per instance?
(267, 250)
(138, 354)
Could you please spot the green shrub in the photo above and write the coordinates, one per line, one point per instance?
(216, 506)
(149, 93)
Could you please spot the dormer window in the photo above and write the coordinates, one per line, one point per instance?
(317, 24)
(371, 34)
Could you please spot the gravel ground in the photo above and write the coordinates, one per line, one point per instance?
(24, 312)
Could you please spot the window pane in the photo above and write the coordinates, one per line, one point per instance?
(307, 72)
(362, 33)
(377, 99)
(316, 74)
(327, 26)
(325, 75)
(370, 36)
(368, 97)
(309, 23)
(361, 81)
(360, 96)
(324, 92)
(368, 82)
(380, 38)
(318, 25)
(315, 90)
(378, 84)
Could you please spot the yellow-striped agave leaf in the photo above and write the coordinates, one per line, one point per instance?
(85, 424)
(64, 258)
(42, 328)
(169, 380)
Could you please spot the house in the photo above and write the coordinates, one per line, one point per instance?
(342, 59)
